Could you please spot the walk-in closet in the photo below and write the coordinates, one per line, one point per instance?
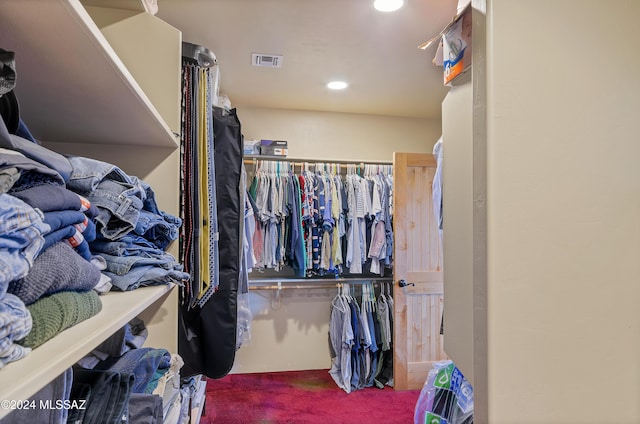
(136, 101)
(239, 211)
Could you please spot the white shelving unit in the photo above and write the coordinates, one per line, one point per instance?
(83, 89)
(72, 85)
(48, 361)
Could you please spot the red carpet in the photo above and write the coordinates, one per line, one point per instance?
(302, 397)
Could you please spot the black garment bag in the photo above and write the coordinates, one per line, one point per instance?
(207, 335)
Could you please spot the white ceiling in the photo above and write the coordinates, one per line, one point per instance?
(322, 40)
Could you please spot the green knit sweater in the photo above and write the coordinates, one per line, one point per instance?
(55, 313)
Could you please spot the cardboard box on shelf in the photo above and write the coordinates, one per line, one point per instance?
(273, 147)
(454, 46)
(251, 147)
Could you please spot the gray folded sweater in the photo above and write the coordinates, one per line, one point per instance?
(59, 268)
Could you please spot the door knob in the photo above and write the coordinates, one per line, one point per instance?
(403, 283)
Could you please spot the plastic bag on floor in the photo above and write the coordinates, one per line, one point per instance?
(445, 398)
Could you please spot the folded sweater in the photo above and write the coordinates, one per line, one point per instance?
(57, 312)
(59, 268)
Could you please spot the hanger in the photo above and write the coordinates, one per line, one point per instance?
(366, 297)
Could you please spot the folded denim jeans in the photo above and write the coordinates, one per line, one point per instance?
(131, 336)
(145, 409)
(156, 225)
(34, 151)
(119, 206)
(88, 173)
(50, 198)
(129, 245)
(63, 218)
(145, 364)
(117, 196)
(57, 390)
(147, 275)
(13, 353)
(15, 319)
(8, 178)
(122, 265)
(108, 395)
(160, 229)
(21, 229)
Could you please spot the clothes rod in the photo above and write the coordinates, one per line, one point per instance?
(255, 158)
(317, 284)
(299, 286)
(310, 281)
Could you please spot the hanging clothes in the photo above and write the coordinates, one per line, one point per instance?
(320, 222)
(341, 341)
(437, 185)
(360, 339)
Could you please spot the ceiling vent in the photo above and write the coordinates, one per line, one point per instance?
(266, 60)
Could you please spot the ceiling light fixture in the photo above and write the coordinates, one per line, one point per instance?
(337, 85)
(388, 5)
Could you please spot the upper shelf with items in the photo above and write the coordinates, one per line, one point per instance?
(77, 82)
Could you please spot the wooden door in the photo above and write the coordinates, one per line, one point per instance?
(417, 342)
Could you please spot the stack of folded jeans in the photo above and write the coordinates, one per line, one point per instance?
(131, 336)
(21, 238)
(53, 281)
(133, 262)
(56, 394)
(17, 170)
(35, 151)
(84, 200)
(169, 390)
(118, 197)
(154, 390)
(105, 394)
(132, 232)
(37, 176)
(68, 214)
(147, 365)
(15, 324)
(21, 230)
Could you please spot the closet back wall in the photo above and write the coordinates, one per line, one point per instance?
(340, 136)
(292, 333)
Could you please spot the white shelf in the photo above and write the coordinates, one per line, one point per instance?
(71, 85)
(84, 85)
(137, 5)
(23, 378)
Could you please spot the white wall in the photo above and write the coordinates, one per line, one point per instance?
(457, 134)
(563, 224)
(348, 136)
(292, 334)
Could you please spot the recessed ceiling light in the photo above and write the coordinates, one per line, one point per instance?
(337, 85)
(387, 5)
